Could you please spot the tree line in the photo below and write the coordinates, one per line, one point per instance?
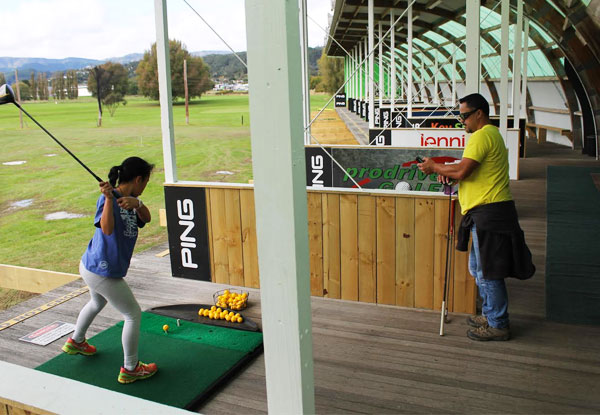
(110, 82)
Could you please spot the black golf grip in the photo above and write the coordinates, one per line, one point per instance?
(419, 159)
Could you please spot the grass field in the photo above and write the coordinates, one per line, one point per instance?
(215, 140)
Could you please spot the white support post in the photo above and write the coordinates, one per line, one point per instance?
(422, 86)
(366, 66)
(392, 62)
(436, 95)
(524, 76)
(305, 73)
(274, 71)
(164, 90)
(505, 25)
(371, 40)
(473, 64)
(409, 75)
(360, 72)
(454, 77)
(355, 72)
(516, 83)
(381, 83)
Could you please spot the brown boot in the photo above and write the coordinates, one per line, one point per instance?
(477, 321)
(486, 333)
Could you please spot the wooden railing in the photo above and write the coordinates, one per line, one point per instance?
(378, 247)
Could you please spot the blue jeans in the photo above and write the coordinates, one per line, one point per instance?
(492, 292)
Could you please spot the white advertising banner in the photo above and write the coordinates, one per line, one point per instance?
(451, 138)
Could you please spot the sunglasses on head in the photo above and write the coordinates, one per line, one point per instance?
(464, 115)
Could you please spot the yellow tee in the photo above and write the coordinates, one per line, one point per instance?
(488, 183)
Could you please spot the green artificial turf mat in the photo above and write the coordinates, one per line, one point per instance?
(244, 341)
(572, 247)
(191, 362)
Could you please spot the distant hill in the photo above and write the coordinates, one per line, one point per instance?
(228, 66)
(8, 64)
(221, 63)
(203, 53)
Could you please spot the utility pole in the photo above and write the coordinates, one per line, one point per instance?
(18, 96)
(185, 88)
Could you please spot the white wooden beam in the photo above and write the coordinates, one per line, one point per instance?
(409, 75)
(305, 73)
(504, 67)
(473, 65)
(392, 61)
(524, 76)
(274, 71)
(371, 35)
(516, 72)
(164, 89)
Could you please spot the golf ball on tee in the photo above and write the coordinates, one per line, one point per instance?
(166, 328)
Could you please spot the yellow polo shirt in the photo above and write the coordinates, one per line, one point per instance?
(488, 183)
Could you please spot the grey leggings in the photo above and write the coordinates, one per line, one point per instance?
(119, 295)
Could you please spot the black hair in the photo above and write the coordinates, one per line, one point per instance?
(131, 168)
(476, 102)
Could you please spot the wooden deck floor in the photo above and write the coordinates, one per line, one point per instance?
(380, 359)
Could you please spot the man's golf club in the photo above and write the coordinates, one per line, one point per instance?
(7, 96)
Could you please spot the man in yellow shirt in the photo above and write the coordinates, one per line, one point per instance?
(498, 250)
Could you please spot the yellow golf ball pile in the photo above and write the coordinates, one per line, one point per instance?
(215, 313)
(233, 301)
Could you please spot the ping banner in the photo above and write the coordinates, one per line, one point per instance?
(188, 232)
(340, 100)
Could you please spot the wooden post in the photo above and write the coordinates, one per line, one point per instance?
(185, 88)
(164, 86)
(18, 97)
(275, 80)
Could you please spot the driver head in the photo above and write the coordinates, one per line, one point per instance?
(7, 95)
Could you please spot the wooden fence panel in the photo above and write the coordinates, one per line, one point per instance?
(439, 251)
(405, 252)
(233, 220)
(362, 247)
(386, 250)
(249, 241)
(367, 268)
(349, 246)
(315, 243)
(424, 245)
(219, 231)
(331, 241)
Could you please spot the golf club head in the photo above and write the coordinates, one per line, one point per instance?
(7, 96)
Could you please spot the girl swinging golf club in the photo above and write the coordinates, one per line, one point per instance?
(119, 214)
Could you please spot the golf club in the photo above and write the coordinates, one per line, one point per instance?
(7, 96)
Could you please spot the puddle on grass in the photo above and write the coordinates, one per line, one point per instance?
(14, 163)
(63, 215)
(223, 172)
(21, 203)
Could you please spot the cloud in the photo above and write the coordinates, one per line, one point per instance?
(101, 29)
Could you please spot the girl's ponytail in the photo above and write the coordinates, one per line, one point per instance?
(113, 175)
(129, 170)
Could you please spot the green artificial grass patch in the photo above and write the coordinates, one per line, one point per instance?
(192, 360)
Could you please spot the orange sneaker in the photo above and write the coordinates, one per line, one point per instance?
(141, 371)
(84, 348)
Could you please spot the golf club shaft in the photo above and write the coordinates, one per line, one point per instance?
(59, 143)
(443, 314)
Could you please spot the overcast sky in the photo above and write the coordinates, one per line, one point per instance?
(100, 29)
